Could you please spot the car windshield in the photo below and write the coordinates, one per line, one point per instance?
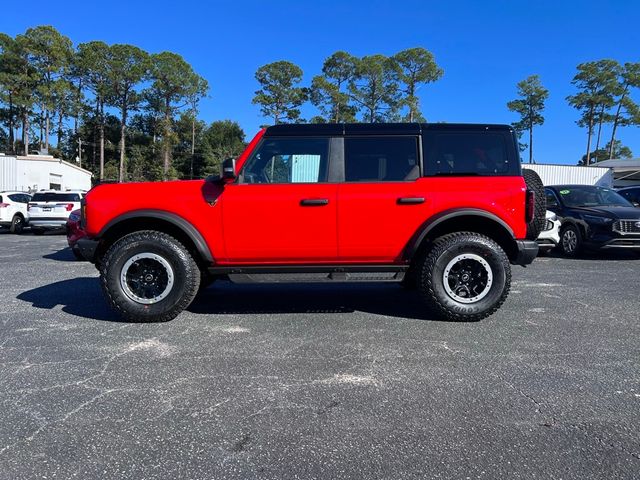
(588, 196)
(56, 197)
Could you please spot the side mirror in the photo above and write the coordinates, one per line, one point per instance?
(228, 170)
(636, 204)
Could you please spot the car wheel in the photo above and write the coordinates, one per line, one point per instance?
(465, 277)
(17, 224)
(570, 241)
(37, 231)
(534, 184)
(149, 276)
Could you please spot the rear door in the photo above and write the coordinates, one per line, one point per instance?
(383, 200)
(282, 209)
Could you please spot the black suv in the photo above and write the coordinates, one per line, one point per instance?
(593, 217)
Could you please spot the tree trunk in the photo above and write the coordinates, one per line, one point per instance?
(123, 120)
(25, 131)
(59, 136)
(589, 133)
(101, 130)
(531, 143)
(12, 143)
(193, 143)
(47, 122)
(166, 151)
(41, 121)
(601, 120)
(616, 119)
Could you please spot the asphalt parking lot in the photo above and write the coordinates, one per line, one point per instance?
(329, 381)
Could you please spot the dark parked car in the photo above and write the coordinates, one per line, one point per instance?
(632, 194)
(594, 218)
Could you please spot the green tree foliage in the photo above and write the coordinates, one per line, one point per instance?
(529, 105)
(597, 83)
(19, 81)
(127, 67)
(618, 151)
(222, 139)
(374, 88)
(91, 67)
(279, 97)
(415, 67)
(328, 91)
(627, 112)
(174, 86)
(50, 54)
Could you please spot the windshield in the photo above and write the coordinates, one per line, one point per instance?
(588, 196)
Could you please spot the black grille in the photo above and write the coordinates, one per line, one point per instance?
(627, 226)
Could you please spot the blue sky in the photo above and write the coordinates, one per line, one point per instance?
(484, 47)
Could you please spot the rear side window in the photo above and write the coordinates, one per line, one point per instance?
(381, 159)
(55, 197)
(288, 160)
(468, 153)
(633, 194)
(18, 197)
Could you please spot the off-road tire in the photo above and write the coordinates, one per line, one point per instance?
(534, 184)
(185, 271)
(17, 224)
(565, 231)
(431, 273)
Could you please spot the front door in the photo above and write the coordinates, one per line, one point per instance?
(281, 209)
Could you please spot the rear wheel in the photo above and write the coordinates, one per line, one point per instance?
(465, 277)
(17, 224)
(149, 276)
(534, 184)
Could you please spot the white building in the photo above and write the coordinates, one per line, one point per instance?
(572, 174)
(38, 172)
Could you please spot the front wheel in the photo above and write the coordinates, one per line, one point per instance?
(465, 277)
(570, 241)
(149, 276)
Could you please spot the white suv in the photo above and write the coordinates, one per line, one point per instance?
(13, 210)
(51, 209)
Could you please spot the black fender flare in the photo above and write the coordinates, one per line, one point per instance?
(176, 220)
(428, 226)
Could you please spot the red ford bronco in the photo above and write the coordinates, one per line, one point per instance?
(443, 208)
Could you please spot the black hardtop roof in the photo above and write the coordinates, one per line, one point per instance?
(292, 129)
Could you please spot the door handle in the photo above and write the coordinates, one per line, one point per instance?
(314, 202)
(410, 200)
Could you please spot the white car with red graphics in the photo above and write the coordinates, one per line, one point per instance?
(13, 210)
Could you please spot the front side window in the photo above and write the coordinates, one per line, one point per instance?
(288, 160)
(467, 153)
(381, 159)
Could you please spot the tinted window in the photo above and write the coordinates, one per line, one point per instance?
(288, 160)
(381, 159)
(552, 201)
(467, 153)
(55, 197)
(633, 194)
(589, 196)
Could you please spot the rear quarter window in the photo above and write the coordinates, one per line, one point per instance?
(470, 153)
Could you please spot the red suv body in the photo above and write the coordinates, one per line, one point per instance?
(329, 199)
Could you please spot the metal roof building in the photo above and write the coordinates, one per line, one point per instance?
(572, 174)
(625, 172)
(38, 172)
